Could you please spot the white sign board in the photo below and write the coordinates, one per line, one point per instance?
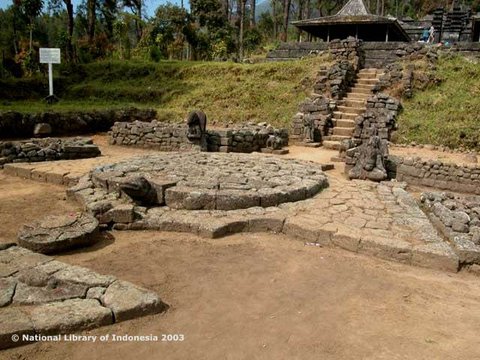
(49, 56)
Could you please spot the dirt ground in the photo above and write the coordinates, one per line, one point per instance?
(260, 296)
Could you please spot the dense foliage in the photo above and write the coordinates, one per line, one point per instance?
(199, 30)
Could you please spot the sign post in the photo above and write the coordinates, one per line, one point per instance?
(50, 56)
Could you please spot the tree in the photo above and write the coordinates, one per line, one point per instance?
(31, 9)
(242, 25)
(136, 6)
(286, 16)
(92, 18)
(252, 13)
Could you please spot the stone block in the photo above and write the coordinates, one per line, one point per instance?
(70, 316)
(128, 301)
(190, 198)
(14, 321)
(436, 255)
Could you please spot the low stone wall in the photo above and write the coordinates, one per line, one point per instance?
(244, 139)
(173, 137)
(435, 173)
(15, 124)
(49, 149)
(153, 135)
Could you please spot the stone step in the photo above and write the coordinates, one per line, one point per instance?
(360, 91)
(344, 123)
(362, 97)
(344, 115)
(367, 81)
(362, 86)
(367, 71)
(372, 76)
(351, 109)
(343, 131)
(353, 103)
(333, 145)
(338, 138)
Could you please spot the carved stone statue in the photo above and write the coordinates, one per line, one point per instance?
(274, 142)
(139, 189)
(369, 160)
(308, 130)
(197, 124)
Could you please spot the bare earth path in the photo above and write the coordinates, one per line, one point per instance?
(260, 296)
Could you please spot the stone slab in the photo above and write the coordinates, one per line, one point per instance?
(128, 301)
(14, 322)
(70, 316)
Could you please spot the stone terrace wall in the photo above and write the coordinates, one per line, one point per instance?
(173, 137)
(15, 124)
(438, 174)
(49, 149)
(297, 50)
(313, 109)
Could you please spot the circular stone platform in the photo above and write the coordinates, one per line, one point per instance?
(211, 181)
(59, 233)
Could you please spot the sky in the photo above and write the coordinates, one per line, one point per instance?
(150, 5)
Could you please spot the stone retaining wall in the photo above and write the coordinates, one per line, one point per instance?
(173, 137)
(435, 173)
(49, 149)
(316, 110)
(15, 124)
(375, 54)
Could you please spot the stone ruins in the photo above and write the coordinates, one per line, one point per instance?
(212, 182)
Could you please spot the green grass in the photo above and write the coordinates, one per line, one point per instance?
(448, 114)
(227, 92)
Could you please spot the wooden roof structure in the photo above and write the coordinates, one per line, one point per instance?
(355, 20)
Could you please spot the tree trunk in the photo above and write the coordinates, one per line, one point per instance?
(300, 17)
(139, 21)
(274, 15)
(225, 9)
(286, 15)
(31, 34)
(252, 12)
(378, 7)
(91, 14)
(242, 24)
(69, 6)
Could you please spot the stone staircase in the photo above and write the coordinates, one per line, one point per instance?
(352, 105)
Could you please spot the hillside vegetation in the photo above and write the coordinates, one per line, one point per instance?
(227, 92)
(447, 114)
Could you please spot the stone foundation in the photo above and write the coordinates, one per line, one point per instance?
(48, 149)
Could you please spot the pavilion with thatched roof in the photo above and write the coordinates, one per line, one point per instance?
(354, 20)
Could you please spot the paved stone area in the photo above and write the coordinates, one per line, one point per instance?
(59, 233)
(381, 220)
(62, 298)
